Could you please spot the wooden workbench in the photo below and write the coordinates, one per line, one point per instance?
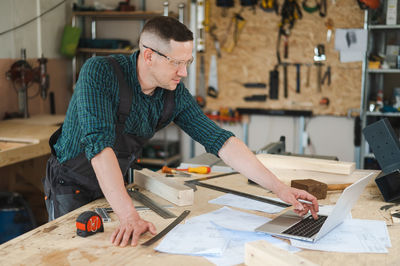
(56, 243)
(24, 151)
(24, 139)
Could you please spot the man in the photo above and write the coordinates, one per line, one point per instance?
(117, 105)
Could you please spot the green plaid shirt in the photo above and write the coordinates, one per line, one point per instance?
(89, 124)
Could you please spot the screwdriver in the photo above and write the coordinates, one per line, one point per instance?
(197, 170)
(167, 170)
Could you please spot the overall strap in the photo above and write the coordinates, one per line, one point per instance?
(125, 96)
(168, 109)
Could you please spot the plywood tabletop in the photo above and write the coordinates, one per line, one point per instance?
(56, 243)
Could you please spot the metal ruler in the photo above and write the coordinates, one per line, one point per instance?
(192, 183)
(167, 229)
(136, 195)
(242, 194)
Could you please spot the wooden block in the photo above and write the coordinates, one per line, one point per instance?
(156, 183)
(302, 163)
(314, 187)
(260, 253)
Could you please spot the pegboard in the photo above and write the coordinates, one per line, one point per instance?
(254, 57)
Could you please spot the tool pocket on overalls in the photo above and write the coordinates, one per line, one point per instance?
(69, 193)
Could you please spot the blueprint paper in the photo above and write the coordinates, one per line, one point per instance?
(196, 238)
(352, 236)
(247, 204)
(234, 252)
(232, 219)
(219, 236)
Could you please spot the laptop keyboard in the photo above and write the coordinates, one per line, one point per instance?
(306, 227)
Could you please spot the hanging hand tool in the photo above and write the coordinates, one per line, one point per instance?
(88, 223)
(285, 79)
(326, 75)
(308, 75)
(319, 75)
(215, 38)
(319, 55)
(322, 8)
(212, 89)
(310, 9)
(225, 4)
(256, 98)
(238, 22)
(255, 85)
(290, 12)
(269, 6)
(329, 25)
(274, 84)
(165, 169)
(297, 77)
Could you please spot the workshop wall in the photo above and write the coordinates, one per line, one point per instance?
(43, 38)
(255, 55)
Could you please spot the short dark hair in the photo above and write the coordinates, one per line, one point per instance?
(168, 28)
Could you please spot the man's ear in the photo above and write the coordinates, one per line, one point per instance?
(147, 55)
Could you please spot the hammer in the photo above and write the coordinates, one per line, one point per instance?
(316, 188)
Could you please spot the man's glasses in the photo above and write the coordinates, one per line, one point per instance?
(173, 62)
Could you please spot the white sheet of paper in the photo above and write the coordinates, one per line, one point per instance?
(232, 219)
(351, 39)
(247, 204)
(196, 238)
(352, 236)
(234, 252)
(219, 236)
(351, 56)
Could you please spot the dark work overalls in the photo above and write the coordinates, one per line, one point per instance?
(72, 184)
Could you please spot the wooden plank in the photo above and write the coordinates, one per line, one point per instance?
(287, 175)
(156, 183)
(260, 253)
(43, 119)
(302, 163)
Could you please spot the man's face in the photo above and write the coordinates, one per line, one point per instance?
(171, 68)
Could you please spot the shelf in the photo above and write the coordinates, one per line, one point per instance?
(119, 15)
(383, 27)
(104, 51)
(116, 15)
(393, 114)
(383, 71)
(160, 161)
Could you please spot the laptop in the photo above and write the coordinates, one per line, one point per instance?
(291, 225)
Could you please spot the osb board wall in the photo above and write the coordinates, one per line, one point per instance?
(60, 84)
(255, 55)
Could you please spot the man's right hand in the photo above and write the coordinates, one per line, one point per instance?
(131, 227)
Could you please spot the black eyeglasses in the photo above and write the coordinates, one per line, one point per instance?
(174, 62)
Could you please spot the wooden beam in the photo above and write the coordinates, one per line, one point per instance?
(156, 183)
(303, 163)
(260, 253)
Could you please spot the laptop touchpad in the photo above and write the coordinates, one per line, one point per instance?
(280, 223)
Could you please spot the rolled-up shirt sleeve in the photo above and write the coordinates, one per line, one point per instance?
(191, 119)
(95, 106)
